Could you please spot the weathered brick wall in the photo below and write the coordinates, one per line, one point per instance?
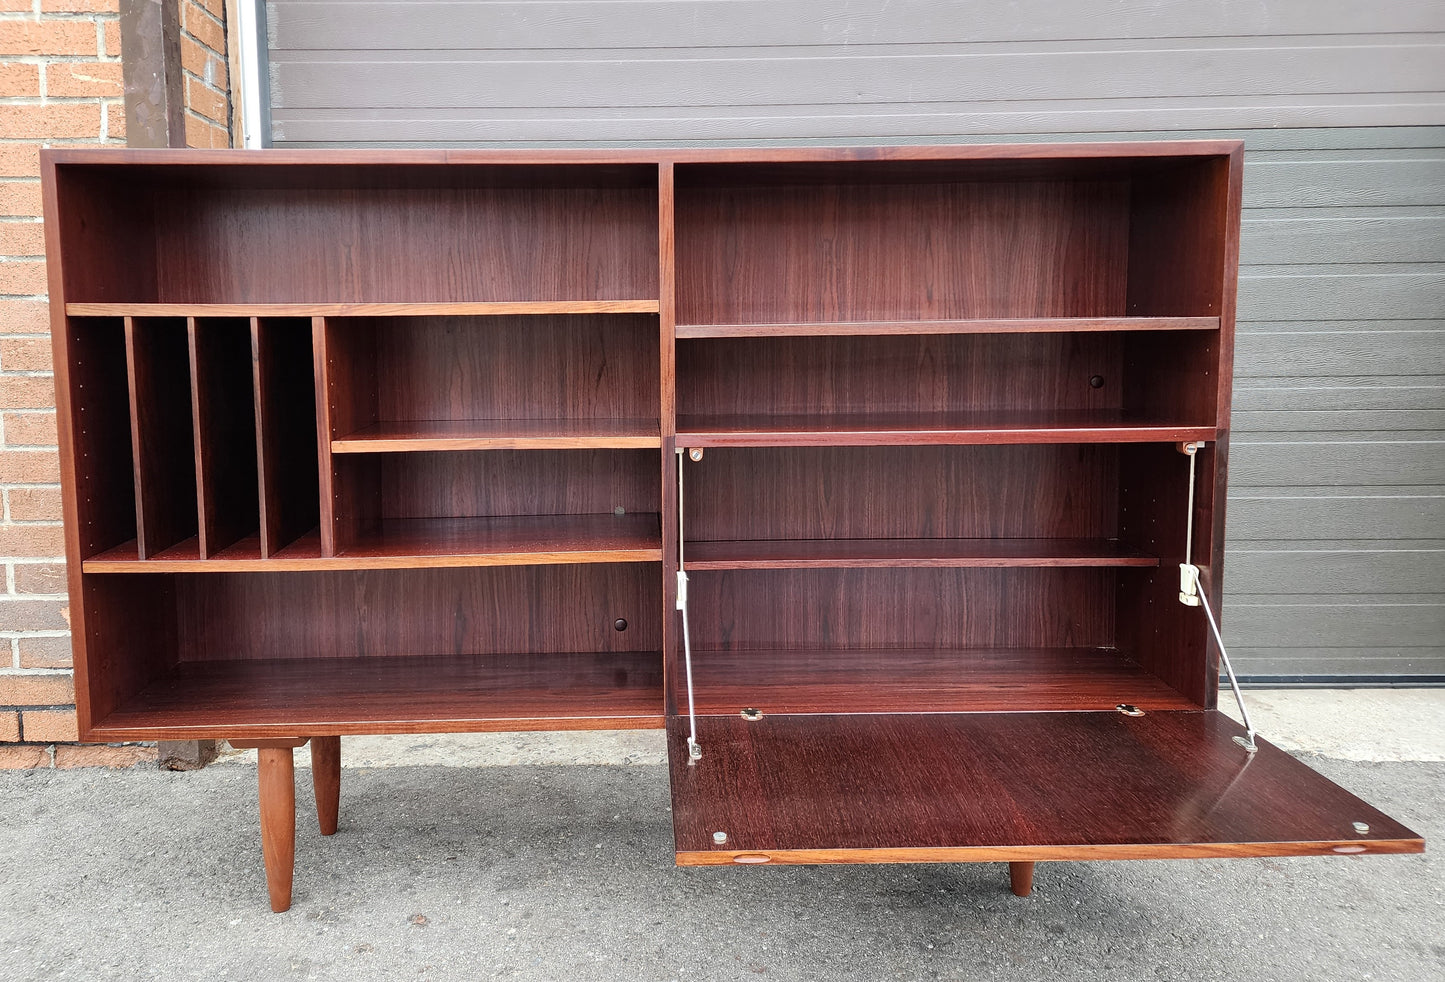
(60, 85)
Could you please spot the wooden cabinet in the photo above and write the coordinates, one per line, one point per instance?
(391, 442)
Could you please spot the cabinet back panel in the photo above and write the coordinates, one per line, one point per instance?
(926, 251)
(902, 608)
(510, 482)
(1027, 491)
(350, 614)
(286, 429)
(100, 437)
(225, 431)
(536, 367)
(928, 373)
(162, 434)
(323, 245)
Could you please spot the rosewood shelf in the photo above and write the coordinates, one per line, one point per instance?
(468, 309)
(501, 434)
(1003, 786)
(902, 680)
(419, 543)
(988, 325)
(960, 428)
(394, 694)
(879, 553)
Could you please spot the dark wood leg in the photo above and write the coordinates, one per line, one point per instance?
(277, 775)
(326, 778)
(1021, 878)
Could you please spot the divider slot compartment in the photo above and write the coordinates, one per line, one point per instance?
(162, 437)
(285, 422)
(223, 412)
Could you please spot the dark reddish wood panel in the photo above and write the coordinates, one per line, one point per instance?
(887, 251)
(997, 325)
(903, 608)
(949, 787)
(420, 694)
(883, 553)
(224, 419)
(162, 438)
(500, 434)
(285, 410)
(923, 680)
(442, 611)
(99, 399)
(1052, 491)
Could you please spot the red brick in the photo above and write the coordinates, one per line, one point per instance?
(24, 355)
(38, 541)
(44, 652)
(27, 392)
(22, 239)
(206, 101)
(34, 505)
(115, 120)
(83, 78)
(49, 726)
(52, 121)
(23, 758)
(29, 466)
(24, 277)
(52, 37)
(112, 39)
(195, 22)
(33, 578)
(19, 81)
(16, 6)
(19, 198)
(34, 615)
(103, 756)
(19, 160)
(36, 690)
(24, 316)
(79, 6)
(194, 58)
(29, 429)
(9, 726)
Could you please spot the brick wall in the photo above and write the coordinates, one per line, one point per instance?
(60, 85)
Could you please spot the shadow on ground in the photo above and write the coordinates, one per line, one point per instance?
(565, 873)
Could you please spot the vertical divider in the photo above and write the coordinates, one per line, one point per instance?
(158, 377)
(346, 398)
(283, 381)
(667, 418)
(223, 423)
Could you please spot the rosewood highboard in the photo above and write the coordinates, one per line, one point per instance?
(889, 481)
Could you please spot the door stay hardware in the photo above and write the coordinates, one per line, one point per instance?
(694, 749)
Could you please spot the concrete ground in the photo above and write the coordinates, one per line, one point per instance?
(558, 866)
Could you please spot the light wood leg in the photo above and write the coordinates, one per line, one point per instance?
(326, 778)
(277, 776)
(1021, 878)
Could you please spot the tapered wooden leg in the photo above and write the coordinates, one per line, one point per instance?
(1021, 878)
(326, 778)
(277, 775)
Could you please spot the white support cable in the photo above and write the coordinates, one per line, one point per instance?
(1191, 594)
(694, 749)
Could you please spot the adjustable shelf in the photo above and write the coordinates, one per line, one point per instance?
(951, 428)
(885, 553)
(403, 694)
(977, 325)
(483, 309)
(500, 434)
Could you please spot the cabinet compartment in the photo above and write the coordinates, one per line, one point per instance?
(95, 403)
(312, 233)
(381, 651)
(454, 383)
(501, 506)
(224, 415)
(869, 241)
(956, 388)
(162, 433)
(286, 431)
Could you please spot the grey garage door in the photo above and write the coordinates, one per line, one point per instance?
(1336, 537)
